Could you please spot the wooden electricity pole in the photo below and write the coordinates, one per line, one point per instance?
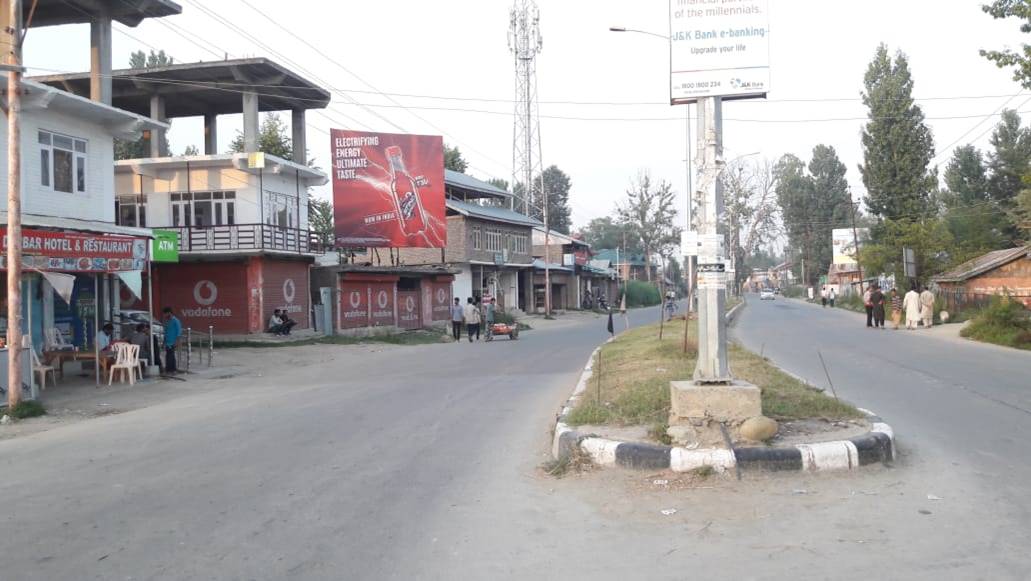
(14, 241)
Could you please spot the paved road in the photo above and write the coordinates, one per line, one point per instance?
(421, 463)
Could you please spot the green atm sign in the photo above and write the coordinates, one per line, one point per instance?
(166, 246)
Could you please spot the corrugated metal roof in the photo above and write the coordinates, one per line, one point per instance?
(61, 223)
(491, 213)
(983, 263)
(460, 180)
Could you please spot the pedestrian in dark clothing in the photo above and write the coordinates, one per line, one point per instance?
(877, 299)
(457, 317)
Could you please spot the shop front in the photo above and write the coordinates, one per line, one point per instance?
(372, 300)
(71, 286)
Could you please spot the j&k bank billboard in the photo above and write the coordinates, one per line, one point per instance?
(718, 48)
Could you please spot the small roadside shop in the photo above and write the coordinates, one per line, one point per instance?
(71, 284)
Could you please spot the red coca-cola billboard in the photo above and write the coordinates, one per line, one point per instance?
(388, 189)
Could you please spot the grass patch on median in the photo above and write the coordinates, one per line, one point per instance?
(636, 368)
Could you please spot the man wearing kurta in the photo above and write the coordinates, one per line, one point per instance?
(911, 305)
(927, 307)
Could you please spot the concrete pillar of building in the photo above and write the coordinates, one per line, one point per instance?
(299, 142)
(100, 59)
(211, 134)
(250, 122)
(157, 136)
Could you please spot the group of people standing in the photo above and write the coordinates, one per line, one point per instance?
(917, 306)
(471, 315)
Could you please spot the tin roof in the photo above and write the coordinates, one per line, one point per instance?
(469, 186)
(491, 213)
(983, 263)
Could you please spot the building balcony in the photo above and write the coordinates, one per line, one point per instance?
(246, 238)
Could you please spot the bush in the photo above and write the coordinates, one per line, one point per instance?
(795, 292)
(641, 294)
(1003, 322)
(25, 409)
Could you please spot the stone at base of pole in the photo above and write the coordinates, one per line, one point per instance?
(698, 409)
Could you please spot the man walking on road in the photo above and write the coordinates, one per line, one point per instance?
(877, 298)
(472, 320)
(832, 296)
(927, 307)
(457, 317)
(911, 304)
(823, 297)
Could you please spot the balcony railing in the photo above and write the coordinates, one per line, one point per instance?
(246, 237)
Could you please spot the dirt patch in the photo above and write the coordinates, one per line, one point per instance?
(819, 430)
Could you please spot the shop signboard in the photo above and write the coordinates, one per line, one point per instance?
(166, 246)
(78, 252)
(388, 190)
(718, 49)
(381, 303)
(441, 301)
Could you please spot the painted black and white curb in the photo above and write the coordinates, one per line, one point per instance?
(876, 446)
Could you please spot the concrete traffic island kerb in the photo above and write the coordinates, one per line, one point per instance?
(876, 446)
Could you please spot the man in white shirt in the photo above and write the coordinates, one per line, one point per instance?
(275, 324)
(104, 337)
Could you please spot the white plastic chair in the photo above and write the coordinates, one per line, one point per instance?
(55, 341)
(127, 359)
(42, 370)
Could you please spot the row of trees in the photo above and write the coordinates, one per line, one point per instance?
(983, 202)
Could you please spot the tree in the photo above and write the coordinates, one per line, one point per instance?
(750, 209)
(649, 212)
(191, 150)
(929, 238)
(557, 184)
(453, 159)
(320, 220)
(140, 148)
(796, 197)
(1021, 62)
(273, 138)
(141, 60)
(897, 144)
(499, 183)
(676, 275)
(606, 233)
(833, 202)
(1008, 162)
(969, 212)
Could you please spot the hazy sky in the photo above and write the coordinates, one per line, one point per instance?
(457, 50)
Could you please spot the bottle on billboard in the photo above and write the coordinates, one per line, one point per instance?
(405, 192)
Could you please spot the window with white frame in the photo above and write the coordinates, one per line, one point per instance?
(280, 210)
(495, 241)
(62, 162)
(477, 238)
(518, 244)
(199, 209)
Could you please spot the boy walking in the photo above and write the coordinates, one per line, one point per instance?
(457, 317)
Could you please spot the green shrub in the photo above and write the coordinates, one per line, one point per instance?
(25, 409)
(1003, 322)
(795, 292)
(641, 294)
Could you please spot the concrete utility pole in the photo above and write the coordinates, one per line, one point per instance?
(690, 222)
(855, 240)
(712, 275)
(547, 251)
(14, 240)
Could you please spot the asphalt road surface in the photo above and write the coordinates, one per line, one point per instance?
(422, 463)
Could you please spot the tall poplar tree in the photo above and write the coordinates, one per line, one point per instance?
(897, 144)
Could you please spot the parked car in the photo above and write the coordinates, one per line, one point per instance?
(129, 319)
(766, 295)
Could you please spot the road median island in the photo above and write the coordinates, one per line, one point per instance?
(618, 414)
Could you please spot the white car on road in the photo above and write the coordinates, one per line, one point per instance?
(766, 295)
